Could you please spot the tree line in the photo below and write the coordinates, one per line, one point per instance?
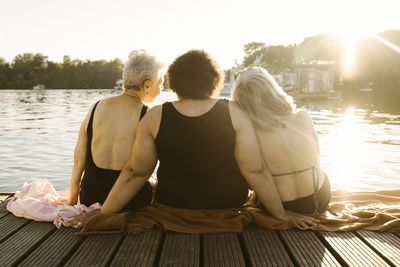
(28, 69)
(375, 63)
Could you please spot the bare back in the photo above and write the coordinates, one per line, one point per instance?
(290, 149)
(114, 129)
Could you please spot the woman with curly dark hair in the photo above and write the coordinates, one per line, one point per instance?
(207, 148)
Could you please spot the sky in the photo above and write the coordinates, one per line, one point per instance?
(104, 29)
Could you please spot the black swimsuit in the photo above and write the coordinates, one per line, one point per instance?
(315, 203)
(97, 182)
(197, 168)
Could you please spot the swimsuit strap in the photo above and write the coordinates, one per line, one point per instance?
(294, 172)
(316, 187)
(89, 131)
(315, 176)
(143, 112)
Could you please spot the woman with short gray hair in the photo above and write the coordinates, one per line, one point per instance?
(108, 132)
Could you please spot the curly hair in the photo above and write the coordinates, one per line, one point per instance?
(195, 75)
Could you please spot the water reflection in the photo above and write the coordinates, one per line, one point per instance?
(357, 146)
(38, 129)
(347, 151)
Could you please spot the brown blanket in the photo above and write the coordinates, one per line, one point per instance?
(379, 211)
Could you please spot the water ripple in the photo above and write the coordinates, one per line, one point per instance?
(38, 130)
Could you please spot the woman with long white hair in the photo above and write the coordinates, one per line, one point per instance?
(288, 141)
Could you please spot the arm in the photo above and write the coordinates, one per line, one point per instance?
(251, 164)
(137, 170)
(79, 162)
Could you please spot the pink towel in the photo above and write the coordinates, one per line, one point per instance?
(40, 201)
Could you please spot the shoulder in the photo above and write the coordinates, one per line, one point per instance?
(109, 101)
(238, 117)
(151, 121)
(303, 115)
(235, 110)
(92, 107)
(152, 113)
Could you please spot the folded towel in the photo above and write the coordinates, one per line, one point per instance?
(347, 211)
(39, 201)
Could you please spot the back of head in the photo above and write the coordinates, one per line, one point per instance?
(194, 75)
(141, 66)
(264, 101)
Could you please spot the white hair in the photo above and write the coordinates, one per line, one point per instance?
(263, 100)
(141, 66)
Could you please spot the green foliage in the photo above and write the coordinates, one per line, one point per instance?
(29, 69)
(275, 59)
(323, 47)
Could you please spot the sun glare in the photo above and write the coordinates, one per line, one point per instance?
(349, 54)
(347, 151)
(387, 44)
(350, 39)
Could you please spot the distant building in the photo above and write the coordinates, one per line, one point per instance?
(286, 80)
(230, 80)
(315, 77)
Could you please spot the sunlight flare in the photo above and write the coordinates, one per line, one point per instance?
(387, 43)
(350, 40)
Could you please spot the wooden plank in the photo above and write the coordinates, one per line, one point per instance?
(386, 244)
(7, 193)
(139, 250)
(307, 249)
(3, 208)
(55, 250)
(352, 250)
(180, 250)
(3, 197)
(17, 247)
(264, 248)
(9, 225)
(222, 250)
(96, 250)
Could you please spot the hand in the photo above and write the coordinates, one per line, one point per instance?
(73, 195)
(301, 221)
(71, 201)
(83, 217)
(61, 202)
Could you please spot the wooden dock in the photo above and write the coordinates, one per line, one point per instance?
(28, 243)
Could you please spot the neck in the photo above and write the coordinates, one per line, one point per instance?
(133, 94)
(184, 99)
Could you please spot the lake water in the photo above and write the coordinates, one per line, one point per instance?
(39, 129)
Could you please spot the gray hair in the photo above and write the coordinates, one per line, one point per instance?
(141, 66)
(261, 98)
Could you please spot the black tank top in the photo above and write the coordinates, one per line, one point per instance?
(97, 182)
(197, 167)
